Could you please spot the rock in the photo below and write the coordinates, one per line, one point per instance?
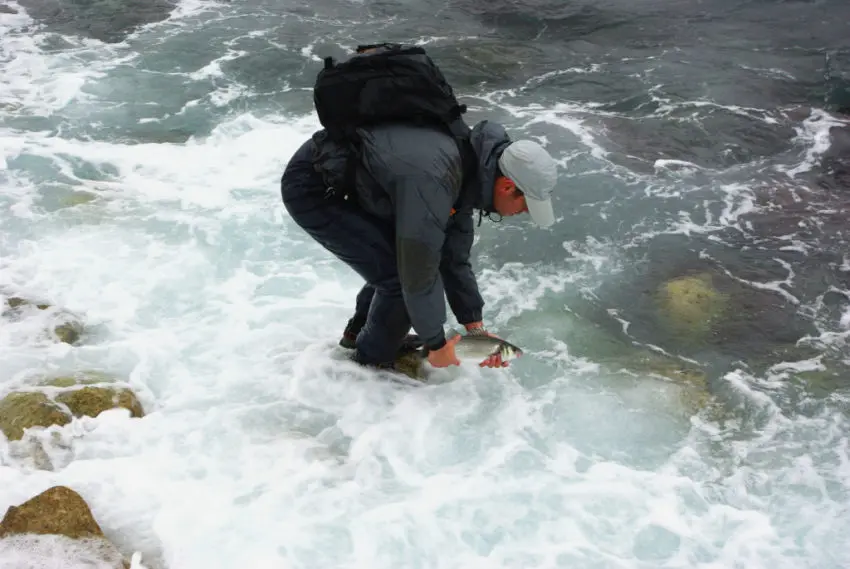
(4, 9)
(62, 325)
(410, 365)
(46, 450)
(88, 377)
(109, 21)
(57, 510)
(79, 394)
(69, 332)
(92, 401)
(56, 528)
(692, 382)
(77, 198)
(691, 306)
(17, 302)
(41, 406)
(22, 410)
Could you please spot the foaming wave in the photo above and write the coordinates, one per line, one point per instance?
(31, 551)
(814, 135)
(243, 153)
(35, 85)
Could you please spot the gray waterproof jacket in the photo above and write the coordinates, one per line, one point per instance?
(412, 176)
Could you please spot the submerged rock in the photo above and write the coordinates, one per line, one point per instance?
(61, 325)
(713, 315)
(68, 332)
(4, 9)
(410, 365)
(692, 381)
(17, 302)
(691, 307)
(42, 450)
(77, 198)
(56, 526)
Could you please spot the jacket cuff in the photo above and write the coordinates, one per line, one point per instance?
(470, 317)
(434, 344)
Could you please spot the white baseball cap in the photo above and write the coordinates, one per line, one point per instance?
(535, 173)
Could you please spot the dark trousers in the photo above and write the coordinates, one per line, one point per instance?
(363, 242)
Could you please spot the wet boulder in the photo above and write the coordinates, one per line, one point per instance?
(90, 393)
(20, 411)
(57, 400)
(58, 510)
(56, 527)
(92, 401)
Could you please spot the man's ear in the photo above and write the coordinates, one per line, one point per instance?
(504, 185)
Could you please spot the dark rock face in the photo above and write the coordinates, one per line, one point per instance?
(105, 20)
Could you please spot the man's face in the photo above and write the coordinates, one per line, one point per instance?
(507, 198)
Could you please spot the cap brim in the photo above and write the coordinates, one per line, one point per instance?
(541, 211)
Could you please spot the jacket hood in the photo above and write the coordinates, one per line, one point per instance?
(488, 140)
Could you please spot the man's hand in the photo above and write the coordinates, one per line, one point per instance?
(445, 356)
(495, 360)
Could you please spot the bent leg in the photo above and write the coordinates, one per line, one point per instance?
(365, 243)
(361, 312)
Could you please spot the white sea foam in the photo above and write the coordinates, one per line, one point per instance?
(814, 135)
(59, 552)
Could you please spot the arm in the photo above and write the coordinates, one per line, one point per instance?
(459, 280)
(420, 171)
(423, 202)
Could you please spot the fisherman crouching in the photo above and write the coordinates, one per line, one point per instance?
(394, 198)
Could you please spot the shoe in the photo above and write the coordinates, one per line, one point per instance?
(355, 357)
(349, 335)
(348, 341)
(411, 343)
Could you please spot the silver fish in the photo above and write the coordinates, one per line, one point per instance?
(480, 347)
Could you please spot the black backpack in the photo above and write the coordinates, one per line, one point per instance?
(396, 83)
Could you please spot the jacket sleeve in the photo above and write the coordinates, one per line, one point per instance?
(423, 202)
(460, 284)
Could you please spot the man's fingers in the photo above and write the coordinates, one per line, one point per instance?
(493, 361)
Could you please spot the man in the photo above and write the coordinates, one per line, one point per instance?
(410, 229)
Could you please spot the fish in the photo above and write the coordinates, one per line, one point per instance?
(480, 347)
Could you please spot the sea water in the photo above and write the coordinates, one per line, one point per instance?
(140, 189)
